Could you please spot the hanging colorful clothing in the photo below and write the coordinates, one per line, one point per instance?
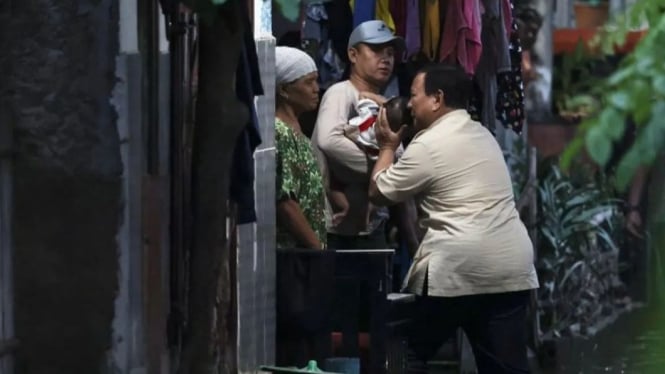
(431, 29)
(383, 13)
(316, 41)
(398, 13)
(461, 41)
(412, 33)
(368, 10)
(363, 10)
(510, 98)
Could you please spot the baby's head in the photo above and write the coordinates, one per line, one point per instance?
(397, 113)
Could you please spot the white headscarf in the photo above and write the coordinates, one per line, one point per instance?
(292, 64)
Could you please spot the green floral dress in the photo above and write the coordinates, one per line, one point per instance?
(298, 178)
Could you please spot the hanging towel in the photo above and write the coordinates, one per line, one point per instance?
(383, 13)
(461, 42)
(398, 12)
(431, 28)
(363, 10)
(412, 34)
(494, 31)
(368, 10)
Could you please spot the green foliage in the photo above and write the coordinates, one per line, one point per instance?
(579, 225)
(636, 89)
(575, 88)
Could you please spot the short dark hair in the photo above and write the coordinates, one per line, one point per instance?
(452, 80)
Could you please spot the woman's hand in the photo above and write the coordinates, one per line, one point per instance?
(372, 96)
(386, 138)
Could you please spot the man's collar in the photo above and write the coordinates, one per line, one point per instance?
(456, 113)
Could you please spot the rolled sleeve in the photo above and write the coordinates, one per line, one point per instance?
(406, 178)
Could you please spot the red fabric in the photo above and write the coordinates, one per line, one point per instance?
(507, 17)
(367, 124)
(460, 42)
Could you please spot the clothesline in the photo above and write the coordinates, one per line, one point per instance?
(479, 35)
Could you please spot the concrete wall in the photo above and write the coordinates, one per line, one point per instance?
(256, 244)
(58, 63)
(138, 342)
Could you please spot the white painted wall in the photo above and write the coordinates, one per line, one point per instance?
(129, 42)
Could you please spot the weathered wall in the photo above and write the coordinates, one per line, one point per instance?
(58, 72)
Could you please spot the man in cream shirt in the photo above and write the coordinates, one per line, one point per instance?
(474, 267)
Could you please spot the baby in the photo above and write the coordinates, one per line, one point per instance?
(360, 130)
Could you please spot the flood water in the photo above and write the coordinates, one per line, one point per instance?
(635, 343)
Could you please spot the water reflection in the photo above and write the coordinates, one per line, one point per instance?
(635, 344)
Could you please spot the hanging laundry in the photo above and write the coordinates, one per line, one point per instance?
(461, 39)
(494, 58)
(510, 110)
(412, 34)
(507, 15)
(316, 42)
(248, 85)
(383, 13)
(363, 10)
(431, 28)
(340, 26)
(495, 35)
(398, 13)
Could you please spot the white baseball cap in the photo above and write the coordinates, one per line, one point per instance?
(374, 32)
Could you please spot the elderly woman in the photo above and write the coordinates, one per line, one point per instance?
(300, 194)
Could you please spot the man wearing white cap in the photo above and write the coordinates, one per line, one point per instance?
(372, 48)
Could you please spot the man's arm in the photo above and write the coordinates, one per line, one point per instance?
(329, 134)
(385, 160)
(290, 215)
(397, 183)
(390, 183)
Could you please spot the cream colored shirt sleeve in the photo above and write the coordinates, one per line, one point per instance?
(330, 138)
(409, 176)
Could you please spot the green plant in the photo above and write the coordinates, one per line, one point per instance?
(636, 89)
(575, 86)
(579, 221)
